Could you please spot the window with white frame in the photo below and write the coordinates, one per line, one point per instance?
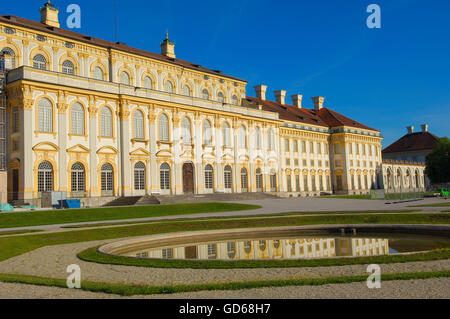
(163, 128)
(242, 137)
(209, 177)
(68, 68)
(106, 122)
(11, 53)
(205, 94)
(39, 62)
(148, 83)
(244, 179)
(212, 251)
(77, 119)
(107, 177)
(124, 78)
(45, 177)
(186, 90)
(257, 137)
(169, 87)
(271, 140)
(235, 100)
(78, 179)
(227, 177)
(207, 136)
(97, 73)
(139, 176)
(165, 176)
(45, 115)
(138, 124)
(226, 134)
(187, 136)
(220, 97)
(259, 179)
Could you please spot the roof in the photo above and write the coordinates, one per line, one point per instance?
(413, 142)
(324, 117)
(42, 27)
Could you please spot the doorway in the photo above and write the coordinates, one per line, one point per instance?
(188, 178)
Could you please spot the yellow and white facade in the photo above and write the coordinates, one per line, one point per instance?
(99, 119)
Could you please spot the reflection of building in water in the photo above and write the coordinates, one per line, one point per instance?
(272, 249)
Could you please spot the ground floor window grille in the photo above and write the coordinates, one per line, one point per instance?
(45, 177)
(78, 178)
(139, 176)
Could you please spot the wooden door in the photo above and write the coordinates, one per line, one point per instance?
(188, 178)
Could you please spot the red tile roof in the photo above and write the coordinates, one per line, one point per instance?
(41, 27)
(324, 117)
(413, 142)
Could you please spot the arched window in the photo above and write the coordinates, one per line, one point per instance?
(163, 128)
(209, 177)
(165, 176)
(231, 250)
(244, 180)
(227, 177)
(259, 180)
(247, 247)
(148, 83)
(78, 179)
(139, 176)
(45, 177)
(107, 179)
(226, 134)
(186, 90)
(257, 137)
(205, 94)
(98, 73)
(220, 97)
(124, 78)
(242, 137)
(271, 140)
(169, 87)
(273, 180)
(187, 137)
(207, 136)
(45, 116)
(234, 100)
(138, 124)
(68, 68)
(10, 52)
(77, 119)
(39, 62)
(106, 122)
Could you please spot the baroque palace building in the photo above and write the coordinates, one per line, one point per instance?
(100, 119)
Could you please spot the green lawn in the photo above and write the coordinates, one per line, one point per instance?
(35, 218)
(17, 245)
(433, 205)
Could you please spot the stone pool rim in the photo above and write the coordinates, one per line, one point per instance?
(120, 246)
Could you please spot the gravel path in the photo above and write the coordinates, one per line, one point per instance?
(52, 261)
(411, 289)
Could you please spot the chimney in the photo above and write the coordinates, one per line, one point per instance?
(168, 47)
(49, 15)
(261, 91)
(318, 102)
(297, 100)
(410, 129)
(280, 96)
(424, 128)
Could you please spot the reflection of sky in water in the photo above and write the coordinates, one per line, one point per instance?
(392, 251)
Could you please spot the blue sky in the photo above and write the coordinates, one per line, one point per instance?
(386, 78)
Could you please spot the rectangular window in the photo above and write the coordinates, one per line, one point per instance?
(320, 163)
(304, 162)
(295, 146)
(312, 163)
(305, 183)
(167, 253)
(212, 250)
(286, 145)
(336, 149)
(288, 161)
(319, 148)
(303, 147)
(311, 147)
(15, 120)
(296, 162)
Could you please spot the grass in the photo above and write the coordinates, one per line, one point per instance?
(404, 211)
(35, 218)
(433, 205)
(19, 232)
(17, 245)
(131, 290)
(92, 255)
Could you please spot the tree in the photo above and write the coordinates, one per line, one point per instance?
(438, 162)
